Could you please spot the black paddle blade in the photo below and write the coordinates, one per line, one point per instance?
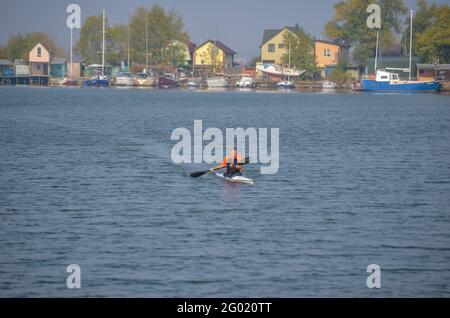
(199, 174)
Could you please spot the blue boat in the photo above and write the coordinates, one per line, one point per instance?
(389, 82)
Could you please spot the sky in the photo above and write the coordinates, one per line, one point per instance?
(237, 23)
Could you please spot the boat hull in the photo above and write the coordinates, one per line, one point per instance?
(237, 179)
(373, 85)
(164, 82)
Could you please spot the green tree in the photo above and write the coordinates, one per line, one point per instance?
(301, 46)
(19, 45)
(340, 75)
(162, 29)
(349, 25)
(432, 33)
(423, 19)
(89, 45)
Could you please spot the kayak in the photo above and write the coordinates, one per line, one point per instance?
(236, 179)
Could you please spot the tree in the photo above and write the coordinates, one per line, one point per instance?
(339, 75)
(432, 33)
(349, 25)
(301, 46)
(19, 45)
(89, 45)
(162, 29)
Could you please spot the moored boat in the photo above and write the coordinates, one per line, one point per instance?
(167, 81)
(217, 81)
(124, 79)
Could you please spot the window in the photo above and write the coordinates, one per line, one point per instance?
(39, 52)
(271, 48)
(281, 46)
(327, 52)
(38, 67)
(384, 77)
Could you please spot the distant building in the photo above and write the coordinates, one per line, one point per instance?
(6, 68)
(58, 67)
(330, 53)
(431, 72)
(188, 50)
(272, 46)
(214, 53)
(39, 59)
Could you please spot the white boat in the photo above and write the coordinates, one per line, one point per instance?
(285, 84)
(124, 79)
(278, 70)
(193, 84)
(329, 85)
(236, 179)
(217, 81)
(144, 80)
(245, 82)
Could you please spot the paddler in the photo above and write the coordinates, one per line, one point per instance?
(231, 162)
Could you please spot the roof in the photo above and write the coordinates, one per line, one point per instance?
(270, 33)
(58, 60)
(43, 45)
(437, 67)
(332, 43)
(6, 62)
(220, 45)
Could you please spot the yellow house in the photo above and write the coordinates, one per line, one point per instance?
(273, 47)
(215, 54)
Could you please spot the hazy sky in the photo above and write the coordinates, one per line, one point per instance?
(237, 23)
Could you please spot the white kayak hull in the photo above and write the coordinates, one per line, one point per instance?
(236, 179)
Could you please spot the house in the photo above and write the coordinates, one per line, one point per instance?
(58, 67)
(214, 54)
(187, 49)
(7, 72)
(272, 46)
(431, 72)
(75, 69)
(22, 72)
(39, 59)
(6, 68)
(330, 53)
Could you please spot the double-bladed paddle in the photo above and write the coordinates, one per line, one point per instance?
(201, 173)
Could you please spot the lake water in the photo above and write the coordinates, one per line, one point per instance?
(86, 178)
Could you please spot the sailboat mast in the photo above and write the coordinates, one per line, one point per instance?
(103, 46)
(71, 52)
(376, 51)
(410, 46)
(289, 71)
(146, 43)
(128, 31)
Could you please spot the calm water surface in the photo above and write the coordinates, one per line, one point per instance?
(86, 178)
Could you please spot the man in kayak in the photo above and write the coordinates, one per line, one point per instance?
(232, 164)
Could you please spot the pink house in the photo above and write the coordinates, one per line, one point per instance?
(39, 58)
